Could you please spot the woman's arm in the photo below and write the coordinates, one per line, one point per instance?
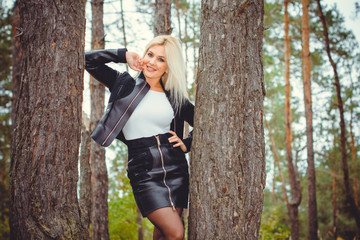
(187, 114)
(95, 64)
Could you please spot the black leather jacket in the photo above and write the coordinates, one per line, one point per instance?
(126, 94)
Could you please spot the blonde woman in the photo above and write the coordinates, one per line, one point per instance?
(147, 113)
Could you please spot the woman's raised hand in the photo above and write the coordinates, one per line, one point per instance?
(134, 61)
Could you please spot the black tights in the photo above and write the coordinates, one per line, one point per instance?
(168, 224)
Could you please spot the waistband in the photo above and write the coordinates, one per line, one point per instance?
(148, 141)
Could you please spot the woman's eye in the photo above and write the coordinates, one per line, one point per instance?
(149, 54)
(161, 60)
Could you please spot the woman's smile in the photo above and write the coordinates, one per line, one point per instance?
(151, 69)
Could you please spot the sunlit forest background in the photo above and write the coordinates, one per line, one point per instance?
(129, 24)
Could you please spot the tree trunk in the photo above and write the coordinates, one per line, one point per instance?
(195, 59)
(139, 222)
(312, 208)
(334, 230)
(277, 163)
(311, 201)
(349, 195)
(293, 211)
(46, 136)
(353, 146)
(177, 7)
(228, 154)
(273, 197)
(354, 167)
(185, 41)
(123, 28)
(85, 174)
(162, 17)
(293, 175)
(6, 43)
(99, 177)
(16, 59)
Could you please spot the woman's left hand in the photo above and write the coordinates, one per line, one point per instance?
(134, 61)
(179, 142)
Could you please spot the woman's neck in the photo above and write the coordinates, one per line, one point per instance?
(155, 84)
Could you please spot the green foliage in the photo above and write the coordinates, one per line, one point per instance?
(272, 228)
(345, 50)
(274, 221)
(122, 211)
(122, 207)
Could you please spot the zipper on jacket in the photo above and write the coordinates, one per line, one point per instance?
(163, 167)
(123, 114)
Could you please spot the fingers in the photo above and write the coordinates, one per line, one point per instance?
(174, 137)
(134, 61)
(179, 142)
(136, 64)
(172, 132)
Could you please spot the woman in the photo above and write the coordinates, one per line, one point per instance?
(148, 113)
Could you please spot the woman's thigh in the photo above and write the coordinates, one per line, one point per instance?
(168, 222)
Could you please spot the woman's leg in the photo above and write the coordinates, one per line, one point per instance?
(168, 224)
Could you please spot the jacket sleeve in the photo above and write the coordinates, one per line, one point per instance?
(187, 114)
(95, 64)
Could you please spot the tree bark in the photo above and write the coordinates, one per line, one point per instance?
(334, 229)
(312, 207)
(162, 17)
(85, 174)
(349, 195)
(311, 201)
(293, 175)
(228, 153)
(46, 136)
(99, 177)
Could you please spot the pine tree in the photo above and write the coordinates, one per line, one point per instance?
(46, 136)
(227, 157)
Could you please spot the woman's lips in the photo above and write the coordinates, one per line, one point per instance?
(151, 69)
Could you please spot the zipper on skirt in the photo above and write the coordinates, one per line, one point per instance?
(163, 167)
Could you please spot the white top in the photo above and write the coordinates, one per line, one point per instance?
(152, 116)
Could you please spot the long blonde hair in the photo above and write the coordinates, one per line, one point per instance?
(174, 80)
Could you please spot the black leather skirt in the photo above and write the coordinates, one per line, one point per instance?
(158, 173)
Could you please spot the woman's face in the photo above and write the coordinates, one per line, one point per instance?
(154, 62)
